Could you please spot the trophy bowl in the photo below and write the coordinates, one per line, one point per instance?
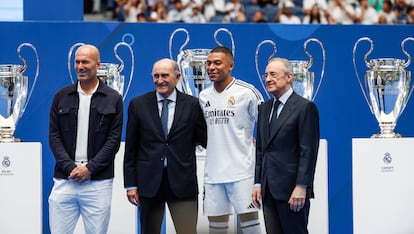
(386, 88)
(14, 94)
(193, 68)
(109, 74)
(303, 79)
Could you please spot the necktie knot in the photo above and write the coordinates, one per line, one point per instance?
(165, 102)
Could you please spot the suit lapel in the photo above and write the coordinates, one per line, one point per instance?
(179, 109)
(284, 115)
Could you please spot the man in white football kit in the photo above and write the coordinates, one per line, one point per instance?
(230, 109)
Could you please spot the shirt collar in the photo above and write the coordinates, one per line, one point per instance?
(283, 99)
(80, 90)
(172, 97)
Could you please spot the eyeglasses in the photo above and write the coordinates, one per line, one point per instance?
(273, 75)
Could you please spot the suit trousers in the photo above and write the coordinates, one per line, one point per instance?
(280, 219)
(184, 211)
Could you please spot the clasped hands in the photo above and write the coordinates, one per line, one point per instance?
(80, 174)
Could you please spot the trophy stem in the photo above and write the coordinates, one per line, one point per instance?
(6, 136)
(387, 131)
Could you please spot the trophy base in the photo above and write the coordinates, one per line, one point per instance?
(387, 135)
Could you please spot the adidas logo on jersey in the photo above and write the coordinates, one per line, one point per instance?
(251, 206)
(207, 104)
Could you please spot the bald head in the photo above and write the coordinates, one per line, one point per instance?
(168, 62)
(87, 63)
(165, 74)
(89, 50)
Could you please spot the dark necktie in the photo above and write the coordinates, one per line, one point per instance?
(272, 123)
(164, 116)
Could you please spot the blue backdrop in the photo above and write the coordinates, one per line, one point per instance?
(344, 113)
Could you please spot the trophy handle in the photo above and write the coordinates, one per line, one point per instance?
(69, 59)
(405, 52)
(305, 45)
(185, 42)
(364, 91)
(231, 38)
(25, 67)
(121, 66)
(407, 63)
(257, 61)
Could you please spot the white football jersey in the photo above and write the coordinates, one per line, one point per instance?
(230, 116)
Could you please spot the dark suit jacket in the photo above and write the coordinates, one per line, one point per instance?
(145, 145)
(287, 156)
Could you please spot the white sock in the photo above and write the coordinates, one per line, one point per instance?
(218, 227)
(251, 227)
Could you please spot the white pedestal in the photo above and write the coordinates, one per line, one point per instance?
(123, 214)
(319, 211)
(382, 174)
(21, 187)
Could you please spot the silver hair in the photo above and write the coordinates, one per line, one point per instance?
(285, 62)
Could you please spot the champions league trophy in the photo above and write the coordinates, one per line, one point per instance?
(110, 73)
(193, 64)
(14, 94)
(386, 88)
(303, 80)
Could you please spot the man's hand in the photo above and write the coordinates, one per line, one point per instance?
(80, 174)
(297, 199)
(133, 196)
(256, 196)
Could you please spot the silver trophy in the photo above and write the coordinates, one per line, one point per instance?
(303, 80)
(193, 64)
(386, 88)
(14, 95)
(110, 73)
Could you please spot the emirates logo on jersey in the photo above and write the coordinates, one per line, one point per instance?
(231, 101)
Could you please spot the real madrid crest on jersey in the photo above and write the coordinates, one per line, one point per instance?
(231, 101)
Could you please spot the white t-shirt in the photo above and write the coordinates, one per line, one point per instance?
(81, 153)
(230, 117)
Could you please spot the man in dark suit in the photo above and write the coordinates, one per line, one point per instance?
(286, 152)
(160, 167)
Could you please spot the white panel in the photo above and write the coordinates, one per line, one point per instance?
(11, 10)
(21, 187)
(382, 174)
(319, 209)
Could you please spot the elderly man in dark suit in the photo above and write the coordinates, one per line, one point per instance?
(160, 160)
(286, 152)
